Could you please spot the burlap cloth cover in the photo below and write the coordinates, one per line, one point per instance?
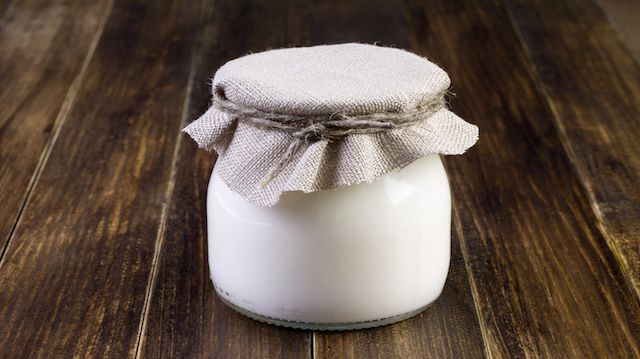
(350, 79)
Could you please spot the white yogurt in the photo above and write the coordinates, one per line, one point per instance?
(353, 254)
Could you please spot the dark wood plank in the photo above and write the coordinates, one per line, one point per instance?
(545, 281)
(450, 327)
(593, 88)
(624, 15)
(44, 45)
(186, 319)
(5, 9)
(76, 270)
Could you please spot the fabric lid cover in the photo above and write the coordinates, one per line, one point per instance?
(352, 79)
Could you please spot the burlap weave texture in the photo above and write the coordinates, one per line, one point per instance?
(352, 79)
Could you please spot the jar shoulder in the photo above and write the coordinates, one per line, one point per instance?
(422, 183)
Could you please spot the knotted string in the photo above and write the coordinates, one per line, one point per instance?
(313, 128)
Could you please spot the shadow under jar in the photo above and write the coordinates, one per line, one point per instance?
(329, 207)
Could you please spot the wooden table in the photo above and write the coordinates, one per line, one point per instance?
(102, 222)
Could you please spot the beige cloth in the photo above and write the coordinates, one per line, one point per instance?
(352, 79)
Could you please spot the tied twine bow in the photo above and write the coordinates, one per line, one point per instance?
(308, 129)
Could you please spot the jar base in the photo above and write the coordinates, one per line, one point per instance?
(323, 326)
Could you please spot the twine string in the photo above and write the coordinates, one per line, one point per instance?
(308, 129)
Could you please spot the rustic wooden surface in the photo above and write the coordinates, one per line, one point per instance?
(102, 227)
(624, 16)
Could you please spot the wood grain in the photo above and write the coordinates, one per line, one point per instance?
(186, 319)
(595, 96)
(5, 9)
(624, 15)
(545, 281)
(39, 73)
(449, 328)
(75, 273)
(103, 223)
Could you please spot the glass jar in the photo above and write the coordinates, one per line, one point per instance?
(352, 257)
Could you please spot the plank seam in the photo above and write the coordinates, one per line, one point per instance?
(472, 284)
(157, 253)
(65, 109)
(570, 154)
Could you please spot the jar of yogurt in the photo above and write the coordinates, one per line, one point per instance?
(329, 206)
(349, 257)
